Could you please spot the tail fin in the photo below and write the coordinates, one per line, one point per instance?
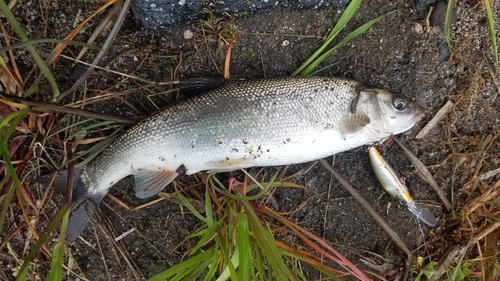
(83, 203)
(422, 214)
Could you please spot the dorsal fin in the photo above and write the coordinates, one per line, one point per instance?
(150, 182)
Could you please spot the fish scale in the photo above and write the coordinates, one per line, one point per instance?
(244, 124)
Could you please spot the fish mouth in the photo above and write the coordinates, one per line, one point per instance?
(419, 114)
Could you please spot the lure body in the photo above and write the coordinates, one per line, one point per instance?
(392, 183)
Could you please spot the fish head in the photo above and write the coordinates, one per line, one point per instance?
(388, 112)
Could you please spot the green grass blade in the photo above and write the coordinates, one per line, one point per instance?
(265, 240)
(230, 262)
(447, 22)
(243, 244)
(56, 268)
(10, 193)
(208, 208)
(491, 23)
(38, 60)
(212, 269)
(34, 251)
(230, 269)
(219, 187)
(188, 205)
(92, 126)
(207, 235)
(358, 31)
(183, 266)
(295, 269)
(92, 152)
(47, 40)
(199, 232)
(10, 171)
(197, 270)
(259, 263)
(341, 23)
(181, 275)
(17, 116)
(311, 261)
(56, 271)
(66, 128)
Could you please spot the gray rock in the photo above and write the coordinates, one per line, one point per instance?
(165, 14)
(439, 14)
(422, 6)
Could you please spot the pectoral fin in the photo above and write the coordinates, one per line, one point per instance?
(150, 182)
(354, 123)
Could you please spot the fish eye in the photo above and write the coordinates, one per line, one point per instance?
(399, 103)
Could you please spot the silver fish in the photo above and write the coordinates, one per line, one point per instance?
(244, 124)
(390, 181)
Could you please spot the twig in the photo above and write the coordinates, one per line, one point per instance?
(427, 20)
(438, 117)
(425, 174)
(125, 234)
(380, 221)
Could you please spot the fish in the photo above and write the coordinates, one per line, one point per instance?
(393, 184)
(243, 124)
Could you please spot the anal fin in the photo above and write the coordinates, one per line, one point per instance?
(150, 182)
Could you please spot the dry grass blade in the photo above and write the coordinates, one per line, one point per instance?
(425, 174)
(105, 47)
(459, 251)
(24, 38)
(227, 61)
(490, 195)
(44, 106)
(380, 221)
(311, 240)
(489, 174)
(438, 117)
(60, 47)
(11, 76)
(11, 57)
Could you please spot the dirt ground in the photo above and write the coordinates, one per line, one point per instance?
(398, 53)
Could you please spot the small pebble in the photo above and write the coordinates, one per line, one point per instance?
(188, 34)
(76, 72)
(444, 52)
(419, 29)
(422, 6)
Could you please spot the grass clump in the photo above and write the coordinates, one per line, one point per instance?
(491, 26)
(238, 238)
(319, 55)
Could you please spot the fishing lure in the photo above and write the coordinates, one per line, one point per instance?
(391, 182)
